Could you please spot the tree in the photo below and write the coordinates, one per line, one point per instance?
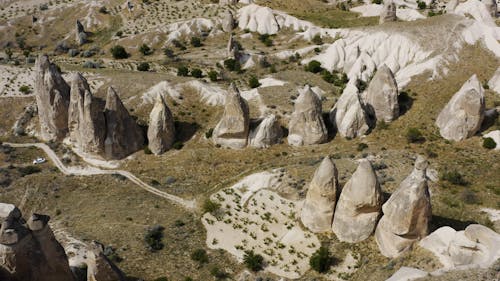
(314, 66)
(143, 66)
(153, 238)
(321, 260)
(195, 41)
(317, 39)
(253, 82)
(212, 74)
(196, 73)
(145, 49)
(254, 262)
(182, 71)
(119, 52)
(422, 5)
(232, 65)
(489, 143)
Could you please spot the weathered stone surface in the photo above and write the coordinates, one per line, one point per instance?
(228, 21)
(81, 35)
(461, 118)
(232, 130)
(86, 121)
(268, 132)
(123, 135)
(381, 97)
(406, 213)
(161, 130)
(451, 5)
(306, 125)
(359, 205)
(99, 267)
(492, 7)
(319, 206)
(232, 48)
(348, 116)
(388, 12)
(52, 99)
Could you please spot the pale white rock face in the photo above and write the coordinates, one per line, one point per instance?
(388, 12)
(348, 115)
(306, 125)
(406, 214)
(161, 129)
(475, 246)
(407, 274)
(494, 82)
(258, 19)
(381, 97)
(491, 6)
(495, 135)
(99, 267)
(227, 21)
(359, 205)
(268, 132)
(9, 211)
(461, 118)
(451, 6)
(52, 99)
(319, 206)
(233, 128)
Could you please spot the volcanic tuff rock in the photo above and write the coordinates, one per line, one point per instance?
(29, 251)
(232, 130)
(461, 118)
(161, 130)
(451, 5)
(228, 21)
(52, 99)
(406, 213)
(306, 125)
(348, 116)
(268, 132)
(381, 97)
(81, 35)
(317, 212)
(494, 83)
(388, 12)
(86, 121)
(232, 49)
(123, 135)
(491, 6)
(99, 267)
(359, 205)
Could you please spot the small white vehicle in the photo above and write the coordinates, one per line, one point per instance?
(39, 160)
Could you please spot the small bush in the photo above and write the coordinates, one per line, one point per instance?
(200, 255)
(169, 53)
(210, 206)
(147, 150)
(103, 10)
(254, 262)
(253, 82)
(266, 39)
(196, 73)
(321, 260)
(218, 273)
(25, 89)
(489, 143)
(153, 238)
(314, 66)
(119, 33)
(143, 66)
(212, 74)
(119, 52)
(454, 177)
(414, 135)
(232, 65)
(182, 71)
(28, 170)
(317, 39)
(362, 146)
(421, 5)
(145, 49)
(469, 197)
(195, 42)
(178, 44)
(178, 145)
(209, 133)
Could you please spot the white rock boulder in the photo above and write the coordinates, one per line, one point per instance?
(267, 133)
(381, 96)
(161, 129)
(494, 83)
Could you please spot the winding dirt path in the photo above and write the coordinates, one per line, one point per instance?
(90, 171)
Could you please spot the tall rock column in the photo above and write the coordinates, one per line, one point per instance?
(381, 97)
(52, 99)
(406, 214)
(161, 130)
(388, 12)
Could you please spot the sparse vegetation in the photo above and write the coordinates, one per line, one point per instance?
(489, 143)
(145, 50)
(195, 42)
(210, 206)
(153, 238)
(143, 66)
(321, 260)
(454, 177)
(200, 256)
(254, 262)
(119, 52)
(182, 71)
(414, 135)
(253, 82)
(232, 65)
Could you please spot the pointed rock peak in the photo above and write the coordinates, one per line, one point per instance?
(38, 222)
(113, 101)
(78, 79)
(473, 84)
(326, 168)
(307, 98)
(42, 63)
(421, 163)
(364, 165)
(160, 100)
(233, 90)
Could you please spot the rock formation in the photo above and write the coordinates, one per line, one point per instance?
(348, 116)
(228, 21)
(99, 267)
(381, 97)
(491, 6)
(319, 206)
(232, 130)
(406, 213)
(451, 5)
(81, 35)
(52, 99)
(358, 208)
(306, 125)
(123, 135)
(21, 124)
(461, 118)
(161, 130)
(29, 251)
(228, 2)
(86, 122)
(268, 132)
(388, 12)
(477, 245)
(494, 83)
(232, 49)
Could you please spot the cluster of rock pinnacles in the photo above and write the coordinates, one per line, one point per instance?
(355, 216)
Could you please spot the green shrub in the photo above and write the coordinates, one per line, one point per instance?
(362, 146)
(182, 71)
(28, 170)
(314, 66)
(321, 260)
(266, 39)
(254, 262)
(153, 238)
(25, 89)
(196, 73)
(195, 42)
(377, 2)
(454, 177)
(218, 273)
(147, 150)
(489, 143)
(145, 49)
(209, 133)
(169, 53)
(178, 145)
(178, 44)
(317, 39)
(421, 5)
(414, 135)
(119, 52)
(200, 255)
(212, 74)
(119, 33)
(210, 206)
(103, 10)
(253, 82)
(143, 66)
(328, 76)
(232, 65)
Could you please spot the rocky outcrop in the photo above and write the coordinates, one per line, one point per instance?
(161, 130)
(228, 22)
(388, 12)
(86, 122)
(232, 130)
(99, 267)
(29, 250)
(319, 206)
(406, 213)
(267, 133)
(381, 97)
(348, 116)
(494, 83)
(358, 208)
(475, 246)
(52, 99)
(232, 49)
(461, 118)
(306, 125)
(228, 2)
(81, 35)
(451, 6)
(123, 135)
(21, 124)
(492, 7)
